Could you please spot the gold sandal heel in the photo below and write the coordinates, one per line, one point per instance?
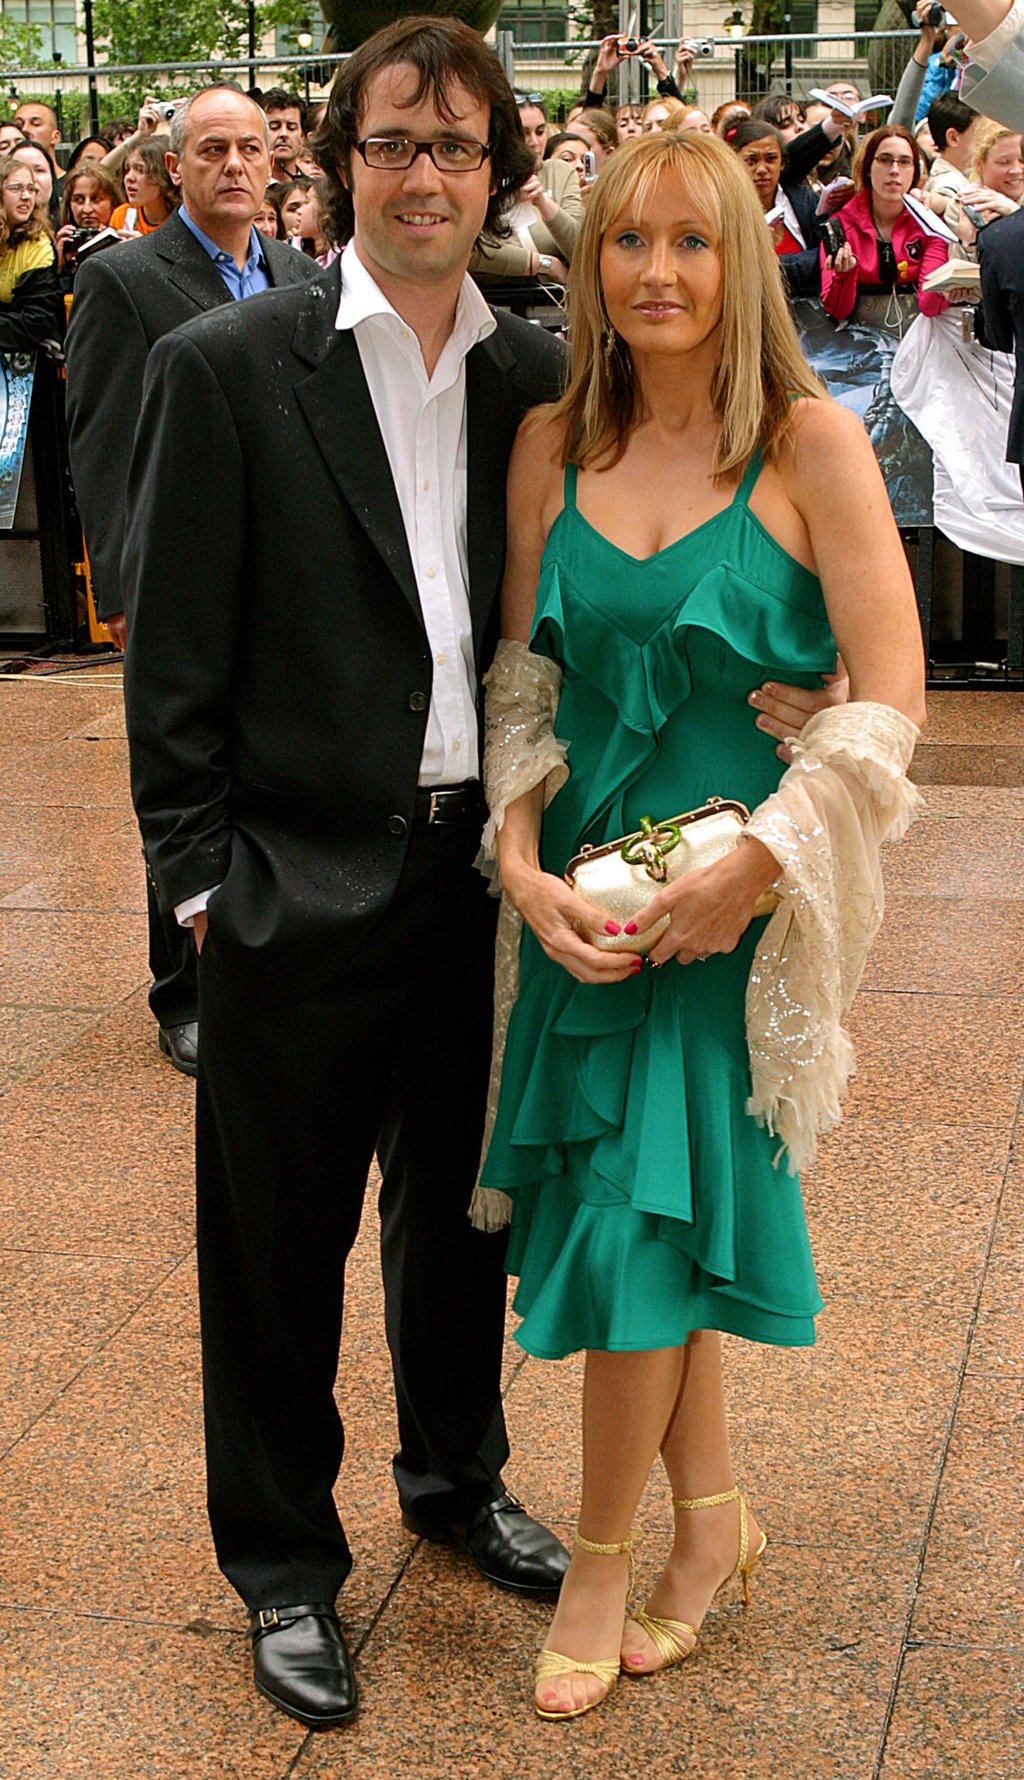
(551, 1663)
(745, 1562)
(674, 1639)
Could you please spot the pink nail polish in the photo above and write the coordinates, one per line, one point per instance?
(635, 969)
(630, 927)
(612, 927)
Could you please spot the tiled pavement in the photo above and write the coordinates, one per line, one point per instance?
(886, 1636)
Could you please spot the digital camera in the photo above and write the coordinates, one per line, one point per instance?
(929, 15)
(703, 46)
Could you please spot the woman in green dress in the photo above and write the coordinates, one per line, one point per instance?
(693, 517)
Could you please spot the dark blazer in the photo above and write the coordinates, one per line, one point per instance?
(1001, 252)
(278, 671)
(125, 298)
(802, 271)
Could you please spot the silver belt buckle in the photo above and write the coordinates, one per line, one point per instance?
(435, 805)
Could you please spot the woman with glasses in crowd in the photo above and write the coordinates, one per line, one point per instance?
(879, 255)
(44, 172)
(31, 309)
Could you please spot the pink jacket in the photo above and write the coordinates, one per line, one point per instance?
(917, 254)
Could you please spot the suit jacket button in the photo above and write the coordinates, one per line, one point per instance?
(418, 701)
(398, 825)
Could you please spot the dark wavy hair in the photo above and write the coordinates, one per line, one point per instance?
(443, 53)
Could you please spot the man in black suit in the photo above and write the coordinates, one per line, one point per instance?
(125, 298)
(312, 566)
(1001, 253)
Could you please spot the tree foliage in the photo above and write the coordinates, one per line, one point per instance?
(20, 45)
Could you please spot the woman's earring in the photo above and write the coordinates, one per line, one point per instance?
(610, 342)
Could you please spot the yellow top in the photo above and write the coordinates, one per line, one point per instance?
(28, 256)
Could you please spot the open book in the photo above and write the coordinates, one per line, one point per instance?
(930, 220)
(954, 274)
(105, 238)
(859, 108)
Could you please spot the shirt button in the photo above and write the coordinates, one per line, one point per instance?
(426, 486)
(456, 746)
(417, 701)
(398, 825)
(431, 573)
(441, 658)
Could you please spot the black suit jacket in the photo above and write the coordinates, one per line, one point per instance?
(277, 658)
(125, 298)
(1001, 252)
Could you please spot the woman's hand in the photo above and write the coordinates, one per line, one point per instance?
(149, 117)
(711, 907)
(783, 710)
(60, 241)
(842, 261)
(684, 62)
(562, 920)
(990, 204)
(653, 57)
(532, 192)
(608, 58)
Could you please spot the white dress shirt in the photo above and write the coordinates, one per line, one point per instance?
(423, 425)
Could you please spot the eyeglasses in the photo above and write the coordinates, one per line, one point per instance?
(900, 161)
(21, 191)
(450, 154)
(529, 98)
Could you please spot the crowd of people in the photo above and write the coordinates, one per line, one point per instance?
(309, 560)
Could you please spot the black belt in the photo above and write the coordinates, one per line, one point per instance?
(450, 803)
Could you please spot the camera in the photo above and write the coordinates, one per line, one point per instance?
(929, 15)
(628, 46)
(833, 235)
(589, 167)
(702, 46)
(166, 108)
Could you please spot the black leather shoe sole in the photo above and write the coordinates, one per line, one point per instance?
(457, 1541)
(308, 1718)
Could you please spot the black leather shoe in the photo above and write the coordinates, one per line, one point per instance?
(505, 1544)
(300, 1663)
(181, 1045)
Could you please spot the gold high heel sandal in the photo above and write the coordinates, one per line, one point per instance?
(674, 1639)
(551, 1663)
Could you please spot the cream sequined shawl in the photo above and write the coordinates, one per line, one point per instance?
(846, 792)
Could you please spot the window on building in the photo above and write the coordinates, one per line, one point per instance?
(534, 21)
(53, 19)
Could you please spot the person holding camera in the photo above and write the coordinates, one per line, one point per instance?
(875, 256)
(89, 200)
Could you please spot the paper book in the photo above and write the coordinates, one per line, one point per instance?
(930, 220)
(954, 274)
(859, 108)
(775, 214)
(105, 238)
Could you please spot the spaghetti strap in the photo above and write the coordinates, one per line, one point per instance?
(569, 488)
(749, 478)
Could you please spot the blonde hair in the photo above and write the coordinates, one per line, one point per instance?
(760, 365)
(987, 133)
(674, 108)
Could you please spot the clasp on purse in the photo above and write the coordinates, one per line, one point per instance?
(650, 850)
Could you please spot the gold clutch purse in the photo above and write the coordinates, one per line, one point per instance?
(622, 876)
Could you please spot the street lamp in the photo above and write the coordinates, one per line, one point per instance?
(304, 40)
(734, 25)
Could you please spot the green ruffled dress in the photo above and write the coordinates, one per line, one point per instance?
(645, 1202)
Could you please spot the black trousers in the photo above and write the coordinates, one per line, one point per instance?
(173, 994)
(291, 1103)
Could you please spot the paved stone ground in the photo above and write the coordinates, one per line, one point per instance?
(885, 1633)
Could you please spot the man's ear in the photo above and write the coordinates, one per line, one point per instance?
(174, 168)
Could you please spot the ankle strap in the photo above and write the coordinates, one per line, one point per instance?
(608, 1550)
(732, 1495)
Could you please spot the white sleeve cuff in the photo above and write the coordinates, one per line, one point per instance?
(986, 51)
(185, 912)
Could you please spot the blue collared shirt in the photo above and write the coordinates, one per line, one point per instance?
(253, 276)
